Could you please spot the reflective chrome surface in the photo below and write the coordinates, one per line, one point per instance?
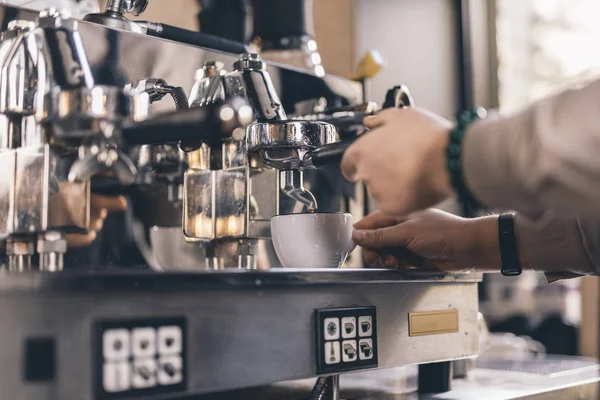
(129, 58)
(284, 144)
(114, 15)
(57, 130)
(251, 81)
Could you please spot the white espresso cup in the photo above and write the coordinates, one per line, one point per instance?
(312, 240)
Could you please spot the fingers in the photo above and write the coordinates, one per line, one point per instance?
(394, 236)
(390, 261)
(98, 213)
(101, 206)
(376, 220)
(80, 240)
(352, 155)
(349, 162)
(373, 121)
(371, 257)
(379, 119)
(109, 203)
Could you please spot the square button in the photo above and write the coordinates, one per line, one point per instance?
(349, 351)
(365, 326)
(170, 370)
(332, 353)
(115, 345)
(116, 377)
(365, 349)
(170, 340)
(144, 373)
(143, 342)
(348, 327)
(331, 327)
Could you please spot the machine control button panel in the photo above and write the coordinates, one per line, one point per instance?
(346, 339)
(139, 358)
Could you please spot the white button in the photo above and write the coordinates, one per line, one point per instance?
(349, 352)
(170, 340)
(348, 327)
(116, 376)
(144, 373)
(170, 370)
(115, 345)
(331, 327)
(143, 342)
(365, 326)
(332, 352)
(365, 349)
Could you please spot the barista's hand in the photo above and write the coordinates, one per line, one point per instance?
(101, 206)
(402, 160)
(430, 239)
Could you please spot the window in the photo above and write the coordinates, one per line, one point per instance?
(545, 45)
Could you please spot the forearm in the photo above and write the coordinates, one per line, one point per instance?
(542, 158)
(557, 245)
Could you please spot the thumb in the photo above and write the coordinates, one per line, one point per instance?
(394, 236)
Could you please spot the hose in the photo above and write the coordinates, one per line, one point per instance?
(179, 97)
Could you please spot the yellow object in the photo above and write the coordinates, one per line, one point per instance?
(369, 66)
(432, 322)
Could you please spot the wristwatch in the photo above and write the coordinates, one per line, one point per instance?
(509, 251)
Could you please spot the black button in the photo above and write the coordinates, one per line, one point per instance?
(39, 360)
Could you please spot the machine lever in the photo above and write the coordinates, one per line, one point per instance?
(192, 126)
(330, 154)
(200, 39)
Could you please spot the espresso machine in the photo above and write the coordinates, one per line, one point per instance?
(244, 151)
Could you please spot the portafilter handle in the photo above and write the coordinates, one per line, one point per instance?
(332, 154)
(193, 126)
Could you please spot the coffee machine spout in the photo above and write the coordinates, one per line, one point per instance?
(293, 187)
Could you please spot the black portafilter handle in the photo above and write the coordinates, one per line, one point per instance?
(108, 186)
(192, 126)
(193, 38)
(332, 154)
(188, 127)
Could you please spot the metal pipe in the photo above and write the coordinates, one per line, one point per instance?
(333, 387)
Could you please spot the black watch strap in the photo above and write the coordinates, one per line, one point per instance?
(509, 253)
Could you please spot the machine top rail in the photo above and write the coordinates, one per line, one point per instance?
(145, 281)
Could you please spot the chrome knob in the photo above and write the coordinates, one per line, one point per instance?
(134, 7)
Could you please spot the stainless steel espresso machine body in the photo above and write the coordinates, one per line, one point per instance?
(86, 333)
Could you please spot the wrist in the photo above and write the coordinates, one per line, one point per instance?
(454, 157)
(485, 244)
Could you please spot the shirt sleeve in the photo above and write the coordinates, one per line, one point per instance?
(560, 247)
(546, 157)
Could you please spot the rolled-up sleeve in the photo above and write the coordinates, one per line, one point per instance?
(546, 157)
(560, 247)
